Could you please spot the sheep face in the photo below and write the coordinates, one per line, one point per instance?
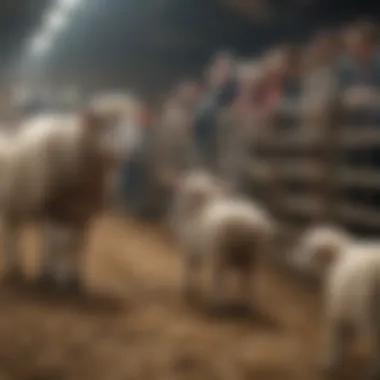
(319, 248)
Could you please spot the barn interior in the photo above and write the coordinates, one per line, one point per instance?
(136, 323)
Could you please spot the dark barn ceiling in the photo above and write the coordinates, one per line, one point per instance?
(17, 19)
(148, 44)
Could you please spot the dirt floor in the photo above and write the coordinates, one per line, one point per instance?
(149, 332)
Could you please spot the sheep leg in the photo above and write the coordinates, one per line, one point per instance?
(51, 254)
(337, 339)
(74, 259)
(11, 250)
(217, 284)
(246, 285)
(191, 269)
(62, 257)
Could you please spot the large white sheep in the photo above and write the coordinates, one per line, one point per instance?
(53, 171)
(218, 229)
(351, 277)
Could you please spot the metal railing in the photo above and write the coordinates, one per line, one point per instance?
(310, 175)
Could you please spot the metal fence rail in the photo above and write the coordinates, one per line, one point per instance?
(330, 173)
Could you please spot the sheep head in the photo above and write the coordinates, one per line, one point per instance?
(101, 130)
(319, 248)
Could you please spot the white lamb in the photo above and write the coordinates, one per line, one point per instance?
(218, 229)
(351, 274)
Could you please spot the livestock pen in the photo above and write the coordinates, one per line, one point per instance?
(134, 323)
(137, 326)
(324, 174)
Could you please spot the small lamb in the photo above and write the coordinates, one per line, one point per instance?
(220, 230)
(351, 273)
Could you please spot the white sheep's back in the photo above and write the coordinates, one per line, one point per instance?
(45, 147)
(219, 210)
(220, 214)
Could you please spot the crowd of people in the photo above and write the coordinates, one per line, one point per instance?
(213, 122)
(54, 171)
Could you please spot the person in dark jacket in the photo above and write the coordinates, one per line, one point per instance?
(220, 92)
(136, 181)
